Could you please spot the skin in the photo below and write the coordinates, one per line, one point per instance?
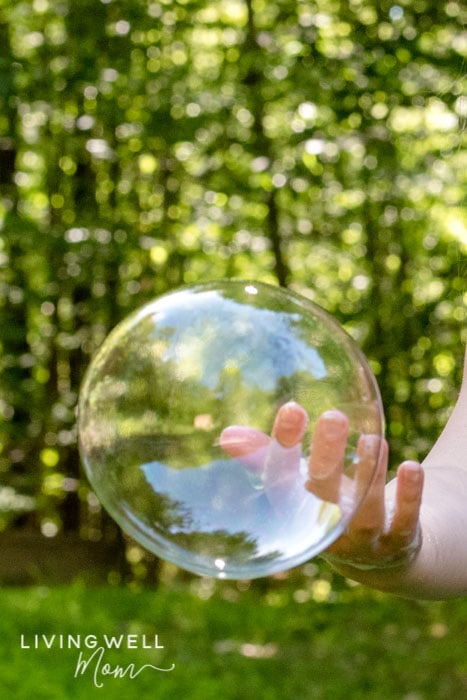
(408, 536)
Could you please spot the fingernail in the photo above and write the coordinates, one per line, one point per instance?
(293, 414)
(291, 424)
(413, 471)
(335, 423)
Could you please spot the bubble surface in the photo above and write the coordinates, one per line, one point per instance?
(175, 418)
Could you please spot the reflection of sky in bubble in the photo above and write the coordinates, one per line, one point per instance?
(215, 335)
(166, 383)
(222, 497)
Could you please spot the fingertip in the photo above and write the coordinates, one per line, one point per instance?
(368, 442)
(408, 499)
(290, 424)
(227, 434)
(336, 416)
(229, 440)
(238, 440)
(373, 451)
(294, 410)
(333, 423)
(411, 471)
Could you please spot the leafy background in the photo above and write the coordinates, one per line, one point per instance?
(144, 145)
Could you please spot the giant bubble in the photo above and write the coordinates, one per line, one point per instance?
(207, 361)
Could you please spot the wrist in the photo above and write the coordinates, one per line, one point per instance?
(375, 559)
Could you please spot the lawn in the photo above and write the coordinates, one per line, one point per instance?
(224, 640)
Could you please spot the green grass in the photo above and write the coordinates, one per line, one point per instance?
(283, 644)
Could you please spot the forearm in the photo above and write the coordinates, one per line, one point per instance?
(440, 571)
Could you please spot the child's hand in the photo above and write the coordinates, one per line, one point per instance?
(385, 530)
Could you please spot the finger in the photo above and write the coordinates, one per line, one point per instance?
(326, 460)
(248, 445)
(238, 440)
(408, 500)
(282, 479)
(285, 448)
(290, 424)
(372, 454)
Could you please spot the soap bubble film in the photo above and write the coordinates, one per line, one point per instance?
(179, 378)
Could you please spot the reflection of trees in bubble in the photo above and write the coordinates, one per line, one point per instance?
(175, 377)
(187, 522)
(176, 364)
(174, 522)
(240, 547)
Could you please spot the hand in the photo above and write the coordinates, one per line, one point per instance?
(385, 531)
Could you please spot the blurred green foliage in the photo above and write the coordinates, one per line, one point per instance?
(143, 145)
(225, 641)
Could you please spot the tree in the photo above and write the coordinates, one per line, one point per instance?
(145, 145)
